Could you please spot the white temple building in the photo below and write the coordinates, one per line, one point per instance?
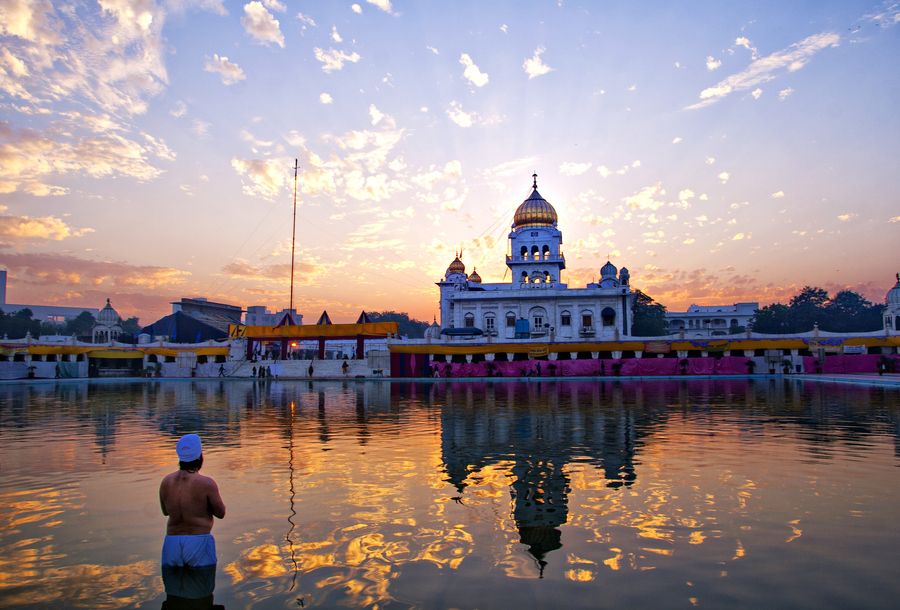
(892, 310)
(108, 326)
(535, 304)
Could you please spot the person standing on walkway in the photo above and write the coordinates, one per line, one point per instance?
(190, 501)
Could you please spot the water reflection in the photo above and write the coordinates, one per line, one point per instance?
(346, 494)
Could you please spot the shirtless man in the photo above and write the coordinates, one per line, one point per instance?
(190, 501)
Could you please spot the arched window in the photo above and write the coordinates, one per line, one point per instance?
(535, 253)
(469, 319)
(547, 278)
(538, 318)
(525, 252)
(524, 277)
(608, 315)
(510, 319)
(587, 318)
(734, 322)
(489, 322)
(565, 318)
(546, 252)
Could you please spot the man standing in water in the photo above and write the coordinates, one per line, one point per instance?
(190, 501)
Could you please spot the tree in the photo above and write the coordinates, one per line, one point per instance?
(131, 326)
(81, 325)
(850, 312)
(408, 327)
(17, 324)
(648, 317)
(846, 312)
(772, 319)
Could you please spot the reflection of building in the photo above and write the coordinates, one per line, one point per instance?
(108, 326)
(536, 304)
(528, 426)
(708, 320)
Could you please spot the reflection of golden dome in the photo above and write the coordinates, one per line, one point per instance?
(475, 277)
(535, 211)
(456, 267)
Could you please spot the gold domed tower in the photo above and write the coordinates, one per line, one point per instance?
(534, 255)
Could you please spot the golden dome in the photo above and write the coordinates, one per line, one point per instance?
(475, 277)
(535, 211)
(456, 267)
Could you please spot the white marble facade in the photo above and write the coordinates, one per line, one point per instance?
(536, 293)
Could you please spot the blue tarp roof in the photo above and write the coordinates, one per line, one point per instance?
(182, 328)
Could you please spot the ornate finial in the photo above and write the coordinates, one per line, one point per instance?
(534, 186)
(107, 300)
(898, 278)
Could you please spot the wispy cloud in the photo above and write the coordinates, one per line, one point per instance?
(334, 59)
(260, 24)
(574, 169)
(325, 98)
(767, 68)
(230, 72)
(712, 63)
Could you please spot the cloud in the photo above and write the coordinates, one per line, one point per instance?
(847, 216)
(375, 115)
(894, 219)
(305, 22)
(261, 24)
(43, 228)
(676, 140)
(766, 68)
(724, 177)
(534, 66)
(459, 116)
(433, 50)
(325, 98)
(743, 41)
(646, 199)
(574, 169)
(384, 5)
(757, 93)
(739, 237)
(266, 178)
(231, 73)
(504, 28)
(334, 59)
(777, 194)
(785, 93)
(472, 73)
(96, 146)
(603, 171)
(334, 35)
(712, 63)
(55, 271)
(356, 8)
(179, 109)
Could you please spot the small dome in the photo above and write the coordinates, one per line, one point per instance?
(456, 267)
(893, 295)
(608, 270)
(474, 277)
(534, 211)
(108, 316)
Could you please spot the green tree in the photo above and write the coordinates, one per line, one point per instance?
(772, 319)
(81, 325)
(131, 326)
(648, 317)
(807, 308)
(850, 312)
(17, 324)
(408, 327)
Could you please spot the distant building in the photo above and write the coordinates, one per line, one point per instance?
(711, 319)
(892, 310)
(258, 315)
(195, 320)
(108, 326)
(52, 314)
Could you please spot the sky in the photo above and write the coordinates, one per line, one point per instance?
(723, 152)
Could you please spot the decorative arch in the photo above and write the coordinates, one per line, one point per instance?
(608, 315)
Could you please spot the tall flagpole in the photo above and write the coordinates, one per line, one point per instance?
(293, 240)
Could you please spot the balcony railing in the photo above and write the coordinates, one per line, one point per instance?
(587, 331)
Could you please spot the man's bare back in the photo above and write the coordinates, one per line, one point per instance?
(190, 500)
